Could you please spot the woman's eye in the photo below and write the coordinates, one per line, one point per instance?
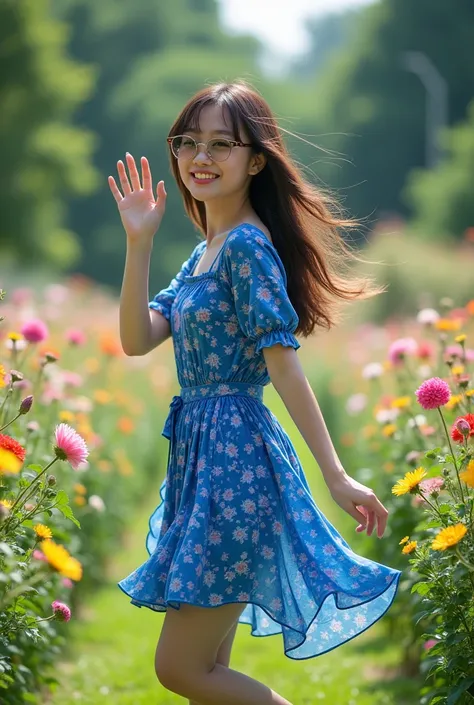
(220, 143)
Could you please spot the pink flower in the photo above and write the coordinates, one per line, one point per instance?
(67, 582)
(75, 336)
(35, 331)
(70, 445)
(433, 393)
(432, 484)
(430, 643)
(401, 347)
(61, 610)
(39, 555)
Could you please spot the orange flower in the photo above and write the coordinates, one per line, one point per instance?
(447, 324)
(125, 424)
(470, 307)
(109, 345)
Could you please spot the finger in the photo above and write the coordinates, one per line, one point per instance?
(160, 190)
(381, 513)
(115, 190)
(123, 178)
(370, 523)
(146, 174)
(354, 512)
(134, 177)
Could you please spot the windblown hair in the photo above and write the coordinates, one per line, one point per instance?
(303, 219)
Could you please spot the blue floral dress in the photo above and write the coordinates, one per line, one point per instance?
(237, 521)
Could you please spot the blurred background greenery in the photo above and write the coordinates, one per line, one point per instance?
(380, 99)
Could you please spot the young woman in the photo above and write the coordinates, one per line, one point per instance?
(237, 536)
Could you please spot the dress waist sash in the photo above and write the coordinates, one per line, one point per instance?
(205, 391)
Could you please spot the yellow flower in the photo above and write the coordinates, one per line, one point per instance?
(460, 338)
(79, 500)
(454, 401)
(42, 531)
(469, 392)
(404, 540)
(468, 474)
(102, 396)
(457, 369)
(389, 429)
(410, 547)
(447, 324)
(9, 462)
(67, 416)
(409, 482)
(14, 336)
(79, 488)
(449, 536)
(59, 559)
(6, 503)
(401, 402)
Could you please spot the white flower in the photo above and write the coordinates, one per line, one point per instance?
(427, 316)
(372, 370)
(97, 502)
(356, 403)
(419, 420)
(386, 415)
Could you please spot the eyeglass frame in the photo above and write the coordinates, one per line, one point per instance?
(233, 143)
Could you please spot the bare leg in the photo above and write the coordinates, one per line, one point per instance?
(186, 656)
(224, 652)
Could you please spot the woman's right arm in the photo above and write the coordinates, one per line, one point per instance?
(141, 328)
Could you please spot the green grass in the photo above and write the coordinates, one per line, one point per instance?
(113, 643)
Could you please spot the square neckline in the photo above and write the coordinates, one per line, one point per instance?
(210, 271)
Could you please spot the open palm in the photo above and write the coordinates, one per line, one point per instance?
(140, 212)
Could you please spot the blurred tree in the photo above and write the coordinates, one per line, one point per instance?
(442, 199)
(327, 34)
(151, 57)
(371, 111)
(43, 156)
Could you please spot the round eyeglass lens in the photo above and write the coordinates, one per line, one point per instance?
(219, 149)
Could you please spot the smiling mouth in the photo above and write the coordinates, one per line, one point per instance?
(203, 176)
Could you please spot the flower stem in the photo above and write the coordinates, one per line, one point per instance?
(452, 453)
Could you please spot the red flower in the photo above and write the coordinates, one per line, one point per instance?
(457, 435)
(13, 446)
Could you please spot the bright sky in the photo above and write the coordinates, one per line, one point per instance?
(279, 23)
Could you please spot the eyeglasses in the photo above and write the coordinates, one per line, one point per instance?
(218, 149)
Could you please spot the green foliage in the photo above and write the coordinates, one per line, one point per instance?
(371, 110)
(442, 198)
(43, 155)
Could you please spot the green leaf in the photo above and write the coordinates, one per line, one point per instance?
(422, 588)
(62, 497)
(459, 690)
(37, 468)
(67, 511)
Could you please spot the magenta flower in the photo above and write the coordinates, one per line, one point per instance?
(430, 643)
(75, 336)
(67, 582)
(400, 348)
(70, 445)
(61, 610)
(39, 555)
(35, 331)
(433, 393)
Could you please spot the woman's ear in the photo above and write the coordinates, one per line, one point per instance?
(257, 163)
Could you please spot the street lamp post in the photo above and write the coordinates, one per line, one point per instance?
(437, 101)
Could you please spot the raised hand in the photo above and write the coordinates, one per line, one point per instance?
(140, 212)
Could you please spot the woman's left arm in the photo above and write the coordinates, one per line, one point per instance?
(288, 378)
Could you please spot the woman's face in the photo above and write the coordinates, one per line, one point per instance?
(225, 178)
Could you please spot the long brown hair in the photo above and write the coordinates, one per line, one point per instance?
(303, 219)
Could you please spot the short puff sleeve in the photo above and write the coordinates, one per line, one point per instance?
(257, 277)
(163, 301)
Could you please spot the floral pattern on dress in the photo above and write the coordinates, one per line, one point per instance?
(237, 521)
